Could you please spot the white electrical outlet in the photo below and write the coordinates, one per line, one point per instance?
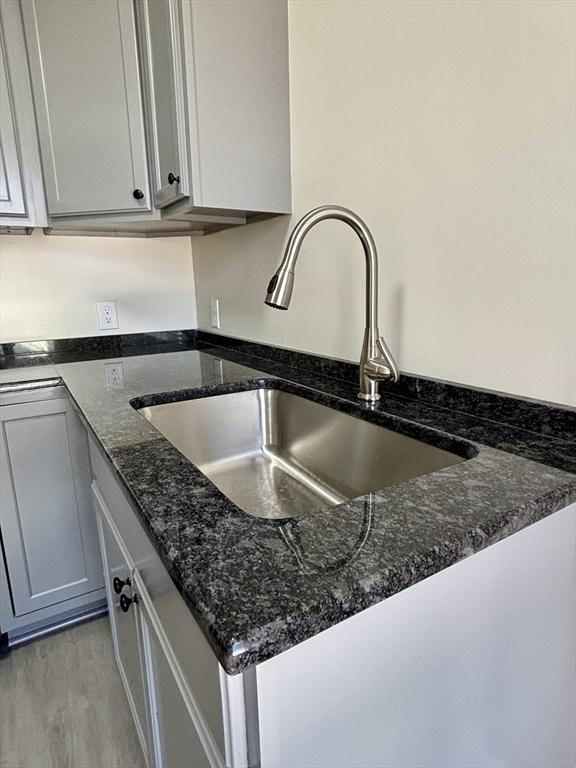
(215, 313)
(107, 315)
(114, 373)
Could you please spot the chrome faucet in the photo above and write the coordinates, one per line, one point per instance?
(376, 361)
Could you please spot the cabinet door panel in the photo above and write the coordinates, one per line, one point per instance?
(11, 187)
(86, 87)
(22, 202)
(161, 46)
(176, 740)
(48, 523)
(124, 624)
(239, 103)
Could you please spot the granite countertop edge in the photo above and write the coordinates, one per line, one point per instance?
(236, 653)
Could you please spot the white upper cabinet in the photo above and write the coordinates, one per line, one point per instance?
(143, 117)
(216, 87)
(21, 187)
(84, 65)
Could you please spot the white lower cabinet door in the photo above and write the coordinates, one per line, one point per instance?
(177, 743)
(46, 514)
(122, 608)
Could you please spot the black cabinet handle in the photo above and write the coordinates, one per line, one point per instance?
(119, 585)
(172, 178)
(126, 602)
(138, 194)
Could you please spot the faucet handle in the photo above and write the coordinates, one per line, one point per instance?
(375, 368)
(385, 353)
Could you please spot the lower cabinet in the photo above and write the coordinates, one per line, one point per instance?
(493, 638)
(51, 566)
(167, 718)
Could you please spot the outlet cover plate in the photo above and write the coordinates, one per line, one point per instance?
(107, 315)
(114, 373)
(215, 313)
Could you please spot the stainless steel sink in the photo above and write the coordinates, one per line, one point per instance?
(278, 455)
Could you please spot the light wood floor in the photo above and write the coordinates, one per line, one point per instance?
(62, 704)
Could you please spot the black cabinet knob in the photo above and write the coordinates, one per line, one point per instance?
(172, 178)
(119, 585)
(138, 194)
(126, 602)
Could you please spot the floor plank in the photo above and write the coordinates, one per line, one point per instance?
(62, 704)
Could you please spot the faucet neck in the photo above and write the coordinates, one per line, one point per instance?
(348, 217)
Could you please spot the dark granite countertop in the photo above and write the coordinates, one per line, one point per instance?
(252, 597)
(28, 374)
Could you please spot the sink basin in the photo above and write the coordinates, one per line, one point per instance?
(278, 455)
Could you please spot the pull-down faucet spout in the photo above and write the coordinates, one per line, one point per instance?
(376, 361)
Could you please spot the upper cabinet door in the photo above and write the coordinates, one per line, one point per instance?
(22, 203)
(238, 103)
(162, 64)
(11, 186)
(84, 67)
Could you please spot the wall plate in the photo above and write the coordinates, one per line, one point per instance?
(107, 315)
(215, 313)
(114, 373)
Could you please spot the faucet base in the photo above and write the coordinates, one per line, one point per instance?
(369, 397)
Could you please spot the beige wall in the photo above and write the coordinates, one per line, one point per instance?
(49, 285)
(449, 126)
